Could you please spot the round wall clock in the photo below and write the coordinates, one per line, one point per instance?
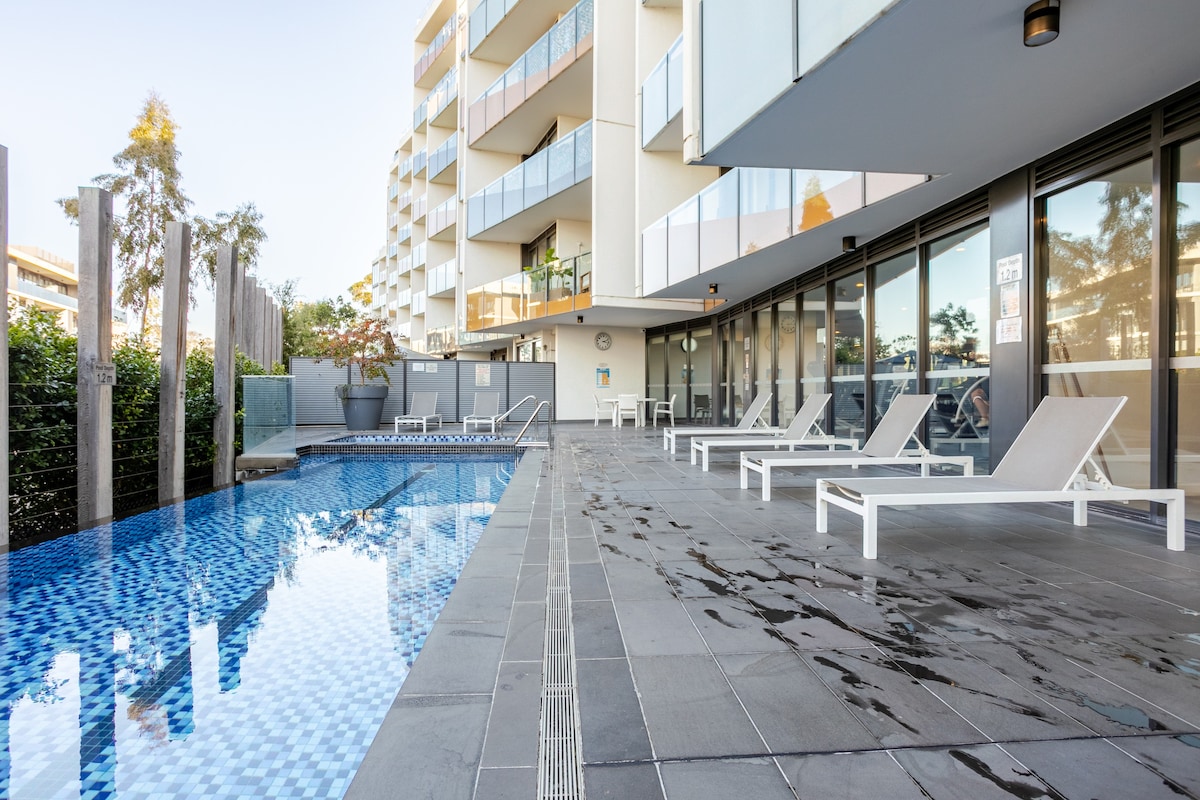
(787, 323)
(603, 341)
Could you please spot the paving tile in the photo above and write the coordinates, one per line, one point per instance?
(759, 778)
(681, 696)
(977, 772)
(506, 784)
(514, 724)
(849, 776)
(1093, 768)
(611, 718)
(732, 625)
(1172, 757)
(793, 710)
(622, 782)
(658, 628)
(525, 638)
(596, 634)
(457, 658)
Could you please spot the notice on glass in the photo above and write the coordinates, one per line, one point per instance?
(1010, 300)
(603, 378)
(1008, 330)
(1010, 268)
(483, 374)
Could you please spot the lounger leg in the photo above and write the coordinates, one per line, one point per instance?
(766, 482)
(664, 440)
(924, 469)
(745, 477)
(693, 453)
(1175, 523)
(822, 510)
(1079, 515)
(870, 529)
(705, 460)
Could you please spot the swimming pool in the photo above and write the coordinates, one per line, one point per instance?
(247, 643)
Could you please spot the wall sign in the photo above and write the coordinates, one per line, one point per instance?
(1010, 268)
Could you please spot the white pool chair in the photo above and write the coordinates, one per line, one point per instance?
(884, 447)
(1043, 465)
(800, 433)
(665, 408)
(421, 411)
(486, 411)
(752, 419)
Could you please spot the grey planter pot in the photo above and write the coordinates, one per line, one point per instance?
(363, 407)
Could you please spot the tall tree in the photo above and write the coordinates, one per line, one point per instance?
(241, 228)
(147, 180)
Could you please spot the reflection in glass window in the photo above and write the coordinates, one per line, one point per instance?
(895, 370)
(1186, 361)
(849, 355)
(812, 342)
(785, 360)
(1097, 300)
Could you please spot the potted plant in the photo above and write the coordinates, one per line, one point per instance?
(368, 346)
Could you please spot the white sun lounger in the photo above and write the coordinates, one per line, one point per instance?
(1043, 465)
(885, 446)
(798, 434)
(486, 411)
(752, 420)
(420, 412)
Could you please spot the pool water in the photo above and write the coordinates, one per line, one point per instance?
(247, 643)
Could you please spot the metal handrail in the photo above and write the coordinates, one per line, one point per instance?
(537, 409)
(520, 403)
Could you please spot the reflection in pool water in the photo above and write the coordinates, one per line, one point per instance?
(243, 644)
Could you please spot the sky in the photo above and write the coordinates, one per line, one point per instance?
(294, 106)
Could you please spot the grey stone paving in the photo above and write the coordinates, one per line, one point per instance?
(724, 649)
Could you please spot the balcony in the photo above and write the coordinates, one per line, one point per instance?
(553, 78)
(420, 159)
(419, 116)
(431, 62)
(440, 340)
(418, 304)
(441, 281)
(500, 30)
(404, 298)
(403, 234)
(45, 294)
(418, 208)
(662, 102)
(405, 170)
(441, 159)
(441, 222)
(558, 288)
(418, 255)
(513, 208)
(393, 191)
(405, 265)
(393, 221)
(747, 210)
(439, 103)
(393, 250)
(404, 200)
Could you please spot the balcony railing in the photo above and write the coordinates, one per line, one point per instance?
(418, 303)
(403, 234)
(559, 287)
(404, 200)
(440, 339)
(46, 295)
(563, 164)
(404, 298)
(442, 278)
(442, 95)
(419, 116)
(393, 191)
(445, 155)
(393, 250)
(419, 206)
(662, 93)
(567, 40)
(747, 209)
(485, 18)
(405, 169)
(419, 161)
(438, 46)
(393, 220)
(442, 217)
(405, 265)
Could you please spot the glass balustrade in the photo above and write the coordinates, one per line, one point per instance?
(442, 217)
(485, 18)
(445, 155)
(404, 233)
(748, 209)
(442, 95)
(557, 49)
(564, 164)
(438, 46)
(559, 287)
(662, 93)
(442, 278)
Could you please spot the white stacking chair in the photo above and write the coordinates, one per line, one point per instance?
(627, 406)
(665, 408)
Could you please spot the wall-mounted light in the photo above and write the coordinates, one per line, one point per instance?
(712, 288)
(849, 245)
(579, 320)
(1041, 23)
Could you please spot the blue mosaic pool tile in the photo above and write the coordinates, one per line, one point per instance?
(244, 644)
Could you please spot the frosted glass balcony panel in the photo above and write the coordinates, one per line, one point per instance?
(766, 208)
(683, 241)
(822, 27)
(654, 257)
(719, 222)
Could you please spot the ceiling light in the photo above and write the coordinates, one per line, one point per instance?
(1041, 23)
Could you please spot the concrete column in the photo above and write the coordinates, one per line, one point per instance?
(172, 368)
(279, 336)
(224, 366)
(4, 356)
(248, 306)
(96, 378)
(267, 344)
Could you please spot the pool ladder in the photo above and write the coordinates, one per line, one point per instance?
(533, 418)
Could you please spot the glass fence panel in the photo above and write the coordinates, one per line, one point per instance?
(269, 427)
(654, 257)
(562, 164)
(823, 195)
(536, 181)
(514, 191)
(683, 241)
(766, 208)
(881, 185)
(583, 152)
(719, 222)
(822, 27)
(654, 103)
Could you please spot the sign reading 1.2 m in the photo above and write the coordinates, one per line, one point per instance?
(105, 374)
(1009, 269)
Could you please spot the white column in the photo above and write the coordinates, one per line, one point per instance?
(173, 363)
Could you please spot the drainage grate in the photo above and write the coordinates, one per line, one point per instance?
(560, 757)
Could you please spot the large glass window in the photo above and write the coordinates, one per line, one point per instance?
(1097, 300)
(849, 356)
(1186, 352)
(762, 357)
(677, 370)
(656, 366)
(700, 349)
(896, 312)
(959, 344)
(812, 342)
(786, 333)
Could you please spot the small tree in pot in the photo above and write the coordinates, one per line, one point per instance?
(367, 346)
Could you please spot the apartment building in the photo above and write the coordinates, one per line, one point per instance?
(707, 199)
(39, 278)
